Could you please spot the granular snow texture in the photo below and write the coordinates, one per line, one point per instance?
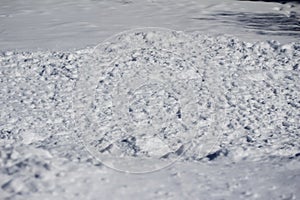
(236, 135)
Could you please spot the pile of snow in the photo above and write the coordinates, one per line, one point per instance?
(141, 101)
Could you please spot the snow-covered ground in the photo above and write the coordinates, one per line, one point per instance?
(64, 25)
(151, 113)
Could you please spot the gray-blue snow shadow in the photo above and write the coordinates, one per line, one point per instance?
(278, 1)
(261, 23)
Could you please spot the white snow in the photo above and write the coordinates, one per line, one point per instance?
(65, 25)
(149, 113)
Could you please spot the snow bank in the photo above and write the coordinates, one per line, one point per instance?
(147, 98)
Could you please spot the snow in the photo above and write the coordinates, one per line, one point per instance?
(65, 25)
(149, 113)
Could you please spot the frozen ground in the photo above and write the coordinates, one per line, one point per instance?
(150, 113)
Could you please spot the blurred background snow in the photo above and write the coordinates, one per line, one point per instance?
(60, 25)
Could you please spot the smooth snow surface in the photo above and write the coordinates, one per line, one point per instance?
(150, 113)
(65, 24)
